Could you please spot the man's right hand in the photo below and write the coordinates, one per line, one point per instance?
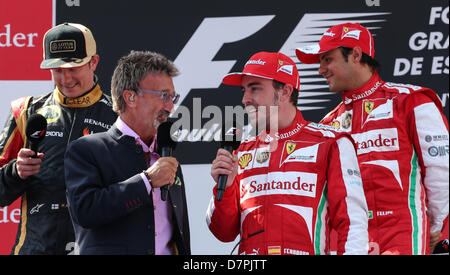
(26, 164)
(163, 171)
(434, 239)
(224, 164)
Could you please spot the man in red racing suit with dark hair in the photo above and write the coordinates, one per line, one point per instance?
(401, 135)
(287, 188)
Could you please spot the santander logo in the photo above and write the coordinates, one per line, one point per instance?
(279, 183)
(381, 140)
(21, 42)
(18, 39)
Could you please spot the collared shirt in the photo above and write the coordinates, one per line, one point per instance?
(162, 211)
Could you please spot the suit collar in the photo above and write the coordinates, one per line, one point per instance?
(117, 135)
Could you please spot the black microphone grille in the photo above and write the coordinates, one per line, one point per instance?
(36, 127)
(165, 137)
(231, 134)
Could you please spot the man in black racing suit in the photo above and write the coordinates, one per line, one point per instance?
(76, 107)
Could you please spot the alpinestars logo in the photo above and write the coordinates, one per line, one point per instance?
(196, 58)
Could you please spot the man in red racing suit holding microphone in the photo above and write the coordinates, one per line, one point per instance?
(288, 187)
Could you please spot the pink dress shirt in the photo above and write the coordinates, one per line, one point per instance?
(162, 211)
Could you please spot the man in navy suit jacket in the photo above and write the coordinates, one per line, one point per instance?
(113, 179)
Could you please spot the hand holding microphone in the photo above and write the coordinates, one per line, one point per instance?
(225, 167)
(225, 164)
(166, 145)
(29, 160)
(163, 171)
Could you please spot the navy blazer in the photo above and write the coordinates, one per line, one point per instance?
(110, 207)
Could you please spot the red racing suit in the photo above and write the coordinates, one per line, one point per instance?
(292, 187)
(402, 143)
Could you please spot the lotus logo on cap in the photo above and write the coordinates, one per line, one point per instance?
(61, 46)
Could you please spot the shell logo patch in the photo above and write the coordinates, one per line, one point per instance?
(244, 160)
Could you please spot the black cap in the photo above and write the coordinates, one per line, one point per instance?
(68, 45)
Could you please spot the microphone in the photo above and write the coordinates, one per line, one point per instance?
(35, 131)
(231, 139)
(166, 145)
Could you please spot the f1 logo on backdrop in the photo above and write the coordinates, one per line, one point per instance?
(200, 72)
(195, 60)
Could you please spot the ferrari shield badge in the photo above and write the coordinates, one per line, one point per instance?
(368, 106)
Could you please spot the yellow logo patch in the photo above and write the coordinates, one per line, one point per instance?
(368, 106)
(244, 160)
(290, 147)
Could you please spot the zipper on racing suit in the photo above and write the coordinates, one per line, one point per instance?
(71, 127)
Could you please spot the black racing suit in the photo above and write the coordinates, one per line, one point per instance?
(45, 225)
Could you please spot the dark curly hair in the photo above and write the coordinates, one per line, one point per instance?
(365, 59)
